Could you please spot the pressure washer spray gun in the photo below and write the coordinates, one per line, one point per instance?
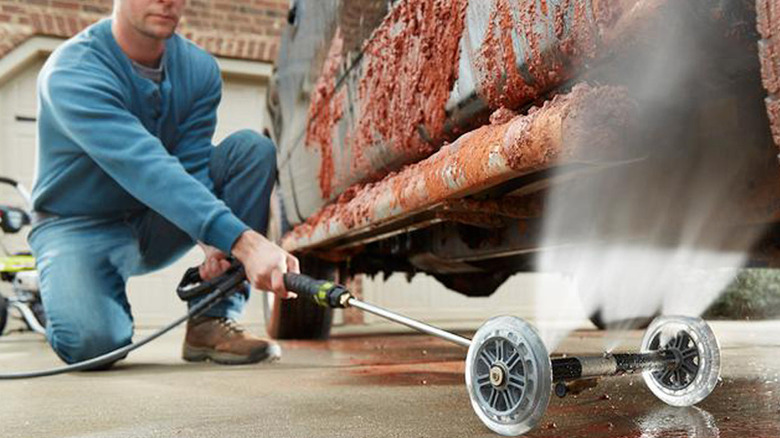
(509, 373)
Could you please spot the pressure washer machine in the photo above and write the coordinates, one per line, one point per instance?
(510, 376)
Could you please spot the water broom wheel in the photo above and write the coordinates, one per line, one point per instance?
(696, 348)
(508, 375)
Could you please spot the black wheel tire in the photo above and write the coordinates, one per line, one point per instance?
(640, 323)
(3, 313)
(299, 318)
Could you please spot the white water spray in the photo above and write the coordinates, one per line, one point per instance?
(664, 234)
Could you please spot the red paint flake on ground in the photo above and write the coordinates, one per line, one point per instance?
(410, 66)
(325, 110)
(438, 373)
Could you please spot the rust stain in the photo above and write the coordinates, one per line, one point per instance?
(525, 207)
(481, 220)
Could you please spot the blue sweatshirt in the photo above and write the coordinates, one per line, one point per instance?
(111, 142)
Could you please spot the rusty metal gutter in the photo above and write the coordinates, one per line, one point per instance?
(588, 126)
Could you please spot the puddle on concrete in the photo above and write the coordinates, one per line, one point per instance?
(737, 408)
(618, 407)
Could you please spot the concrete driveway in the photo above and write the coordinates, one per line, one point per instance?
(377, 381)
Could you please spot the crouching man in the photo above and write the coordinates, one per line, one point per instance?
(128, 181)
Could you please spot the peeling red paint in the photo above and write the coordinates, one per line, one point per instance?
(410, 65)
(554, 41)
(768, 18)
(559, 130)
(325, 110)
(529, 49)
(773, 109)
(496, 61)
(769, 71)
(767, 12)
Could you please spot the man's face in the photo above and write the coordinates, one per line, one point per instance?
(153, 18)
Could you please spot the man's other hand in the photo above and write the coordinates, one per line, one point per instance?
(215, 263)
(265, 263)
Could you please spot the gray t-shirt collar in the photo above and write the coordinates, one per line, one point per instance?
(151, 73)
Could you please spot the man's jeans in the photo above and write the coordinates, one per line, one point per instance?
(84, 262)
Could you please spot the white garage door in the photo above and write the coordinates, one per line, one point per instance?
(153, 296)
(17, 139)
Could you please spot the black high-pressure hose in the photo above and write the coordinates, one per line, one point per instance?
(215, 289)
(323, 292)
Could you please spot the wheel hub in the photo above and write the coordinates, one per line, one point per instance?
(686, 355)
(497, 376)
(501, 376)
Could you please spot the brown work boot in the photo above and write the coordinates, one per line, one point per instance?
(223, 341)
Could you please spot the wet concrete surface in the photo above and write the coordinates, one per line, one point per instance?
(370, 382)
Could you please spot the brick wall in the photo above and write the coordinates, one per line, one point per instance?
(245, 29)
